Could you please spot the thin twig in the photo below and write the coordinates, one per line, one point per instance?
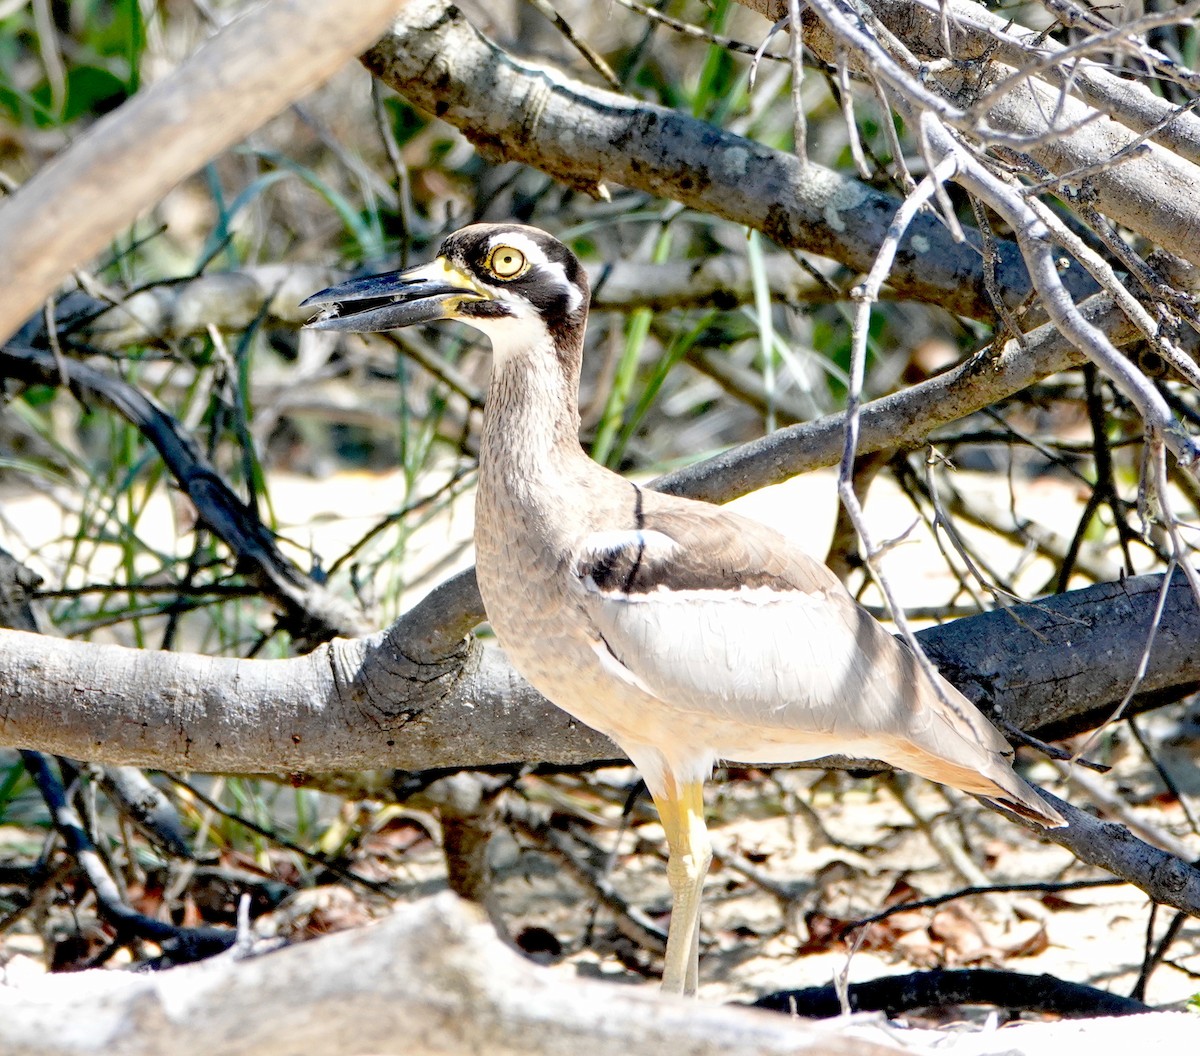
(1038, 888)
(324, 861)
(192, 942)
(796, 57)
(689, 30)
(1143, 665)
(864, 295)
(590, 54)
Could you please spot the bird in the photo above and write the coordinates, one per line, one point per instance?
(685, 632)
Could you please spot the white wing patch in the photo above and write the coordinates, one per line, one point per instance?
(766, 663)
(759, 657)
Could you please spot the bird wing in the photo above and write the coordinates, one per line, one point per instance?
(708, 615)
(722, 616)
(724, 619)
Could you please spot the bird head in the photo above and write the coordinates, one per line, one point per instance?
(508, 280)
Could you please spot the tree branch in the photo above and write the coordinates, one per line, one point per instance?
(894, 995)
(582, 136)
(422, 696)
(225, 90)
(430, 980)
(1149, 193)
(312, 613)
(976, 33)
(186, 944)
(901, 420)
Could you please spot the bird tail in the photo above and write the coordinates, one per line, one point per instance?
(1030, 806)
(982, 772)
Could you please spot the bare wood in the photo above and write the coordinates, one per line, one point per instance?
(440, 61)
(1168, 880)
(422, 696)
(1035, 645)
(432, 980)
(416, 698)
(976, 33)
(228, 300)
(351, 704)
(245, 74)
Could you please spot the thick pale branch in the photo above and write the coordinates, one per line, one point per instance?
(1150, 193)
(422, 696)
(1107, 113)
(66, 215)
(432, 980)
(976, 33)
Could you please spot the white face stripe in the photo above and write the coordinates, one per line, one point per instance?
(537, 258)
(533, 252)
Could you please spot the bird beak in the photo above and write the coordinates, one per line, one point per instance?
(398, 298)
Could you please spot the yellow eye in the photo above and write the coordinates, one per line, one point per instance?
(506, 262)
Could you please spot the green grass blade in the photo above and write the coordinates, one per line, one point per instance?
(637, 329)
(766, 325)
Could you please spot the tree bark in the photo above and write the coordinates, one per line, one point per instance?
(582, 136)
(1151, 192)
(422, 696)
(432, 980)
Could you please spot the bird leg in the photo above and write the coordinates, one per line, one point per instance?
(681, 810)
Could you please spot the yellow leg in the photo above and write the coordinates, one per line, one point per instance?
(681, 809)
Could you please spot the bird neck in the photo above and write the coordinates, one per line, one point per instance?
(531, 418)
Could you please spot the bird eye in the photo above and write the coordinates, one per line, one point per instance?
(506, 262)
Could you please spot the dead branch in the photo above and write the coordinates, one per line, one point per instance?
(583, 136)
(1063, 133)
(432, 980)
(901, 420)
(423, 696)
(230, 86)
(312, 613)
(1009, 991)
(181, 943)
